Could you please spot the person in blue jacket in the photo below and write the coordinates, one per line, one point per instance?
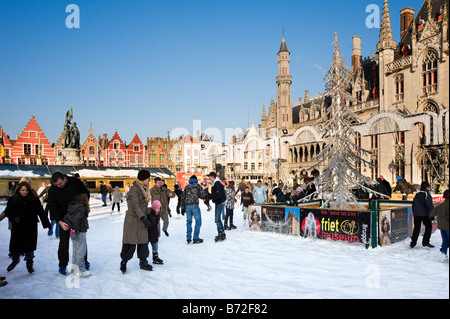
(259, 193)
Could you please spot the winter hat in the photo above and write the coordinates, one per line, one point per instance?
(143, 175)
(155, 204)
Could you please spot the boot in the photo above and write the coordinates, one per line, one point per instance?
(123, 266)
(233, 226)
(15, 261)
(29, 263)
(198, 240)
(143, 264)
(156, 259)
(3, 283)
(220, 236)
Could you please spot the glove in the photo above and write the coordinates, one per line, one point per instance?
(146, 222)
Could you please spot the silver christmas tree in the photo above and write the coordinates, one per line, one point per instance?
(340, 154)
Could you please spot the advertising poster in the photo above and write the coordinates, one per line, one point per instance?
(254, 218)
(273, 219)
(292, 217)
(395, 225)
(384, 227)
(349, 226)
(183, 178)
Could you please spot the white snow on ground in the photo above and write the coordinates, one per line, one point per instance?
(247, 265)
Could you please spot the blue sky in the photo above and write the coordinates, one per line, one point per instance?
(149, 66)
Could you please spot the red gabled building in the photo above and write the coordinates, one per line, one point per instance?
(122, 155)
(116, 152)
(137, 153)
(31, 147)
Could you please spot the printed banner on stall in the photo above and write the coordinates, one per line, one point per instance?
(349, 226)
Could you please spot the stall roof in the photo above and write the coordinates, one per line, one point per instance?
(13, 170)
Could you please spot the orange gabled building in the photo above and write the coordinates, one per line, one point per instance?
(31, 147)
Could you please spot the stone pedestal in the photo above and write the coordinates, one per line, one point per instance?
(68, 156)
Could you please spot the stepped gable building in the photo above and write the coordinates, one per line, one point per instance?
(402, 101)
(118, 154)
(92, 154)
(30, 148)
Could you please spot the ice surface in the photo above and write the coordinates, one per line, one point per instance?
(247, 265)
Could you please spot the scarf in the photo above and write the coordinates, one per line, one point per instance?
(144, 190)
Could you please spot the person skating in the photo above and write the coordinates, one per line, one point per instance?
(229, 206)
(22, 210)
(441, 212)
(61, 193)
(162, 194)
(246, 201)
(153, 232)
(218, 196)
(422, 206)
(77, 219)
(136, 223)
(116, 198)
(193, 192)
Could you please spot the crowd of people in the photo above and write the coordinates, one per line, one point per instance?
(66, 202)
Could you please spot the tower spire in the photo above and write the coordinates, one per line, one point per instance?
(386, 39)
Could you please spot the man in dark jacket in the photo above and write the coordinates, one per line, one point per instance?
(422, 206)
(218, 196)
(63, 191)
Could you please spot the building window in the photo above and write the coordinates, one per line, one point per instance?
(429, 73)
(161, 157)
(399, 87)
(27, 149)
(152, 157)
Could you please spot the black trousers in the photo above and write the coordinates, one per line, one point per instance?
(63, 248)
(229, 215)
(418, 220)
(129, 249)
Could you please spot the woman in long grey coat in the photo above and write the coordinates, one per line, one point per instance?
(136, 224)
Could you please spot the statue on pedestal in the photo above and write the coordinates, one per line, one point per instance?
(71, 134)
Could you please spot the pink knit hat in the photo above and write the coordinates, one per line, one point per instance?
(155, 204)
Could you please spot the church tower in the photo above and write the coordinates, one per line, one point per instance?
(385, 49)
(284, 81)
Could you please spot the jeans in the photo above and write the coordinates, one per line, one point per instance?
(218, 213)
(155, 247)
(79, 250)
(444, 247)
(193, 211)
(104, 198)
(50, 231)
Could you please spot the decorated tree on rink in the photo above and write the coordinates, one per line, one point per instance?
(340, 154)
